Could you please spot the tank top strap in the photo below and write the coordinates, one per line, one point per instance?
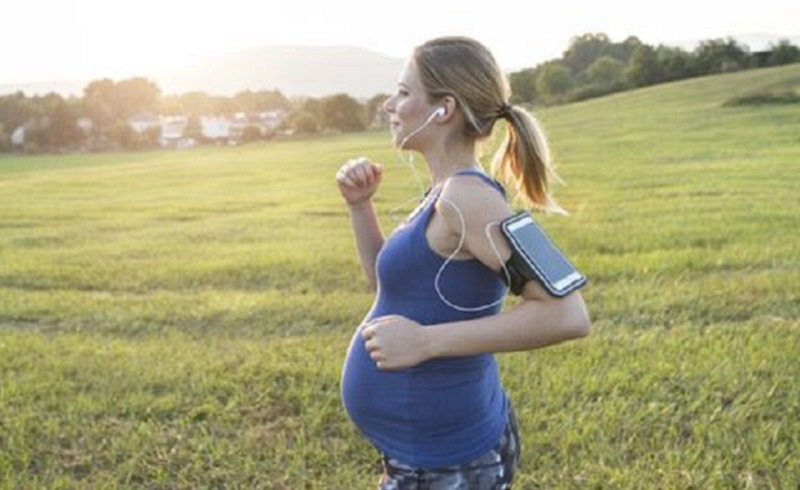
(430, 198)
(481, 175)
(426, 205)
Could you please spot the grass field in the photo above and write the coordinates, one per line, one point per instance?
(179, 319)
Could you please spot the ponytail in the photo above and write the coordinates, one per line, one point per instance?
(523, 160)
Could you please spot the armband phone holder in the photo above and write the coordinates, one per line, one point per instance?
(535, 256)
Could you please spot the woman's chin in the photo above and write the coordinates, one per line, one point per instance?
(397, 140)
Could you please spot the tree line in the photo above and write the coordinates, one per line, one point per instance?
(591, 66)
(102, 118)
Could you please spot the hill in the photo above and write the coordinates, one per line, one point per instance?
(294, 70)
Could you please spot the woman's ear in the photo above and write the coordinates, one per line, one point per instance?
(448, 103)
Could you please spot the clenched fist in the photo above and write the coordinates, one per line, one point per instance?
(358, 179)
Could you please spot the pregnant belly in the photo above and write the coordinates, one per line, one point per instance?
(443, 394)
(368, 393)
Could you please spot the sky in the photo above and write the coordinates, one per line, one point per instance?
(47, 40)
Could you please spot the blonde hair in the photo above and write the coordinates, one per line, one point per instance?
(465, 70)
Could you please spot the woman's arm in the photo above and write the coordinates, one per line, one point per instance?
(358, 180)
(534, 323)
(471, 207)
(369, 238)
(396, 342)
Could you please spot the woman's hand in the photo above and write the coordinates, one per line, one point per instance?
(358, 179)
(395, 342)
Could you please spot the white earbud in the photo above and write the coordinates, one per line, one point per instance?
(440, 111)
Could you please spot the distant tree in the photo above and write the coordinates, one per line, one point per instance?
(583, 50)
(343, 113)
(35, 141)
(62, 131)
(674, 63)
(720, 55)
(784, 53)
(188, 104)
(274, 100)
(246, 101)
(312, 106)
(149, 138)
(194, 129)
(553, 80)
(624, 50)
(303, 122)
(5, 139)
(49, 120)
(523, 85)
(98, 102)
(606, 71)
(374, 114)
(251, 133)
(107, 102)
(643, 67)
(262, 101)
(135, 95)
(225, 106)
(123, 136)
(14, 111)
(171, 106)
(43, 105)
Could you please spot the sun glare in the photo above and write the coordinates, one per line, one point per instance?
(148, 36)
(74, 39)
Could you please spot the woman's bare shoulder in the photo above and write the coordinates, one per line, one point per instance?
(478, 200)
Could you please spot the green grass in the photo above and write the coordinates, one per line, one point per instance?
(178, 319)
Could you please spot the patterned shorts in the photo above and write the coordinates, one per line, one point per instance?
(492, 471)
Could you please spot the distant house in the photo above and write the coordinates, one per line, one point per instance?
(212, 127)
(270, 120)
(238, 123)
(85, 124)
(18, 137)
(142, 122)
(172, 129)
(263, 124)
(215, 127)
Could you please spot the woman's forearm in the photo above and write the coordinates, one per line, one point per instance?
(369, 237)
(530, 325)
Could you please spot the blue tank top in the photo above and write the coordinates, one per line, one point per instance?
(445, 411)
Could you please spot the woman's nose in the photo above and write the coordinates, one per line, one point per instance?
(388, 105)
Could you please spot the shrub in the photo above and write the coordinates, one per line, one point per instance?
(763, 98)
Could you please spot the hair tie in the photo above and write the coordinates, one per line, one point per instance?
(505, 111)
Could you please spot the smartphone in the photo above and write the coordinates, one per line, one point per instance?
(535, 256)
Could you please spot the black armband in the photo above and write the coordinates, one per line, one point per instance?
(534, 256)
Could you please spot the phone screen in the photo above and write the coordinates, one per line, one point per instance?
(547, 262)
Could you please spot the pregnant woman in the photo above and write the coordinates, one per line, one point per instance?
(420, 380)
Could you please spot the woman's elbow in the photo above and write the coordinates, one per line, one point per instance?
(578, 323)
(582, 326)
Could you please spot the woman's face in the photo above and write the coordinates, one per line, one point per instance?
(408, 109)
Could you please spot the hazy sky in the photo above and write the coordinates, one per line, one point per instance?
(44, 40)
